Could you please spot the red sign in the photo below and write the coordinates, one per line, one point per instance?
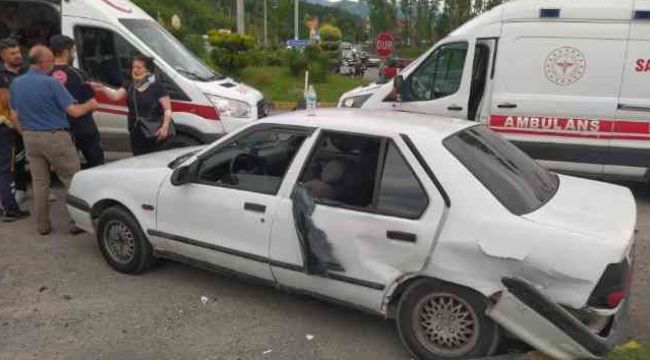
(384, 45)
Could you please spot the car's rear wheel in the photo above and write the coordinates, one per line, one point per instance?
(438, 320)
(122, 242)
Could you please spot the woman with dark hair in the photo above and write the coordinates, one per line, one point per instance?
(150, 112)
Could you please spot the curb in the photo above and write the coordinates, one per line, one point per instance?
(289, 105)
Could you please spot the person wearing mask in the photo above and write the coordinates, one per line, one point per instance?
(84, 130)
(39, 105)
(150, 112)
(12, 211)
(13, 67)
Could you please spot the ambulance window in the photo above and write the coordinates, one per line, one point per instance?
(104, 55)
(438, 76)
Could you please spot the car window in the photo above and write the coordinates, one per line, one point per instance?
(516, 180)
(343, 169)
(256, 161)
(400, 192)
(438, 76)
(104, 55)
(363, 173)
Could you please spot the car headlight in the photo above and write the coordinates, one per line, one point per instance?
(355, 101)
(229, 107)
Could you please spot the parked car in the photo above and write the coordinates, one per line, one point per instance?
(442, 225)
(566, 81)
(391, 68)
(373, 61)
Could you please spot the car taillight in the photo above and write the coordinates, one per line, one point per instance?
(615, 298)
(613, 286)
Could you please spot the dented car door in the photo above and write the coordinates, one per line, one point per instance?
(363, 212)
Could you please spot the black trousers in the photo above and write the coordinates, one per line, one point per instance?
(20, 161)
(7, 141)
(141, 145)
(89, 143)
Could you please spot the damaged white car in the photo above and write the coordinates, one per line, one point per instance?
(442, 225)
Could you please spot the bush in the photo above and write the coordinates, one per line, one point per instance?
(330, 33)
(297, 62)
(275, 58)
(232, 52)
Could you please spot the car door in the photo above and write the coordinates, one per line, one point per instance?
(629, 146)
(223, 216)
(556, 90)
(440, 85)
(375, 216)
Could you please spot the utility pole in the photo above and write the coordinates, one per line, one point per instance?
(240, 17)
(266, 30)
(296, 15)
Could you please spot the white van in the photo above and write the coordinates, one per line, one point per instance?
(568, 81)
(108, 33)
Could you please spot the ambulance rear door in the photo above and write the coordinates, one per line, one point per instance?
(558, 75)
(630, 139)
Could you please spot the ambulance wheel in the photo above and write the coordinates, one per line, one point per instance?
(438, 320)
(180, 141)
(122, 241)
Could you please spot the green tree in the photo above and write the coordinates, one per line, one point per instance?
(232, 51)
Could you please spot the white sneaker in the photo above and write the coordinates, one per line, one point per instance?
(20, 196)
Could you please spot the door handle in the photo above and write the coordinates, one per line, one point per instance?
(254, 207)
(507, 106)
(454, 108)
(401, 236)
(638, 108)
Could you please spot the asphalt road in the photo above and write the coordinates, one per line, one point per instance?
(60, 300)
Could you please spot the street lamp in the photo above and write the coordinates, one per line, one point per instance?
(240, 17)
(295, 19)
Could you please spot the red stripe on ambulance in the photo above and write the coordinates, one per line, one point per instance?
(571, 127)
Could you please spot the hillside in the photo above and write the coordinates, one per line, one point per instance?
(356, 8)
(200, 16)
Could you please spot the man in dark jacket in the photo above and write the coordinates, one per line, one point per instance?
(84, 130)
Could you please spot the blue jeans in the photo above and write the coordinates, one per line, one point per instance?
(6, 173)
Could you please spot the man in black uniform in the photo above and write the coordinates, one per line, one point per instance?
(83, 129)
(12, 68)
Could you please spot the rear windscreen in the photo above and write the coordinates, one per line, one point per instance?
(516, 180)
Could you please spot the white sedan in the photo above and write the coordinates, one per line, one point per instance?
(438, 223)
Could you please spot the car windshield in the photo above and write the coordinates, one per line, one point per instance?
(516, 180)
(170, 49)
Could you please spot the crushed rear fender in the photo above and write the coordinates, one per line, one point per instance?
(532, 316)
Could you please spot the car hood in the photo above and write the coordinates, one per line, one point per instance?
(604, 212)
(231, 89)
(362, 90)
(150, 161)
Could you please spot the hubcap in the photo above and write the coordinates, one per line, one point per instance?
(120, 241)
(445, 324)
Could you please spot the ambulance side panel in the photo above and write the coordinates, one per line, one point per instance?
(556, 89)
(630, 143)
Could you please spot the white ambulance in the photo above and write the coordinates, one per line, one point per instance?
(108, 33)
(568, 81)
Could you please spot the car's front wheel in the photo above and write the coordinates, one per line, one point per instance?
(438, 320)
(122, 242)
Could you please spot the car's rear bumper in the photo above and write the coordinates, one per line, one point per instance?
(533, 317)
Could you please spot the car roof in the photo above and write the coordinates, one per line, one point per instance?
(373, 122)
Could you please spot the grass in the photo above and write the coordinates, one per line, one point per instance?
(635, 352)
(277, 84)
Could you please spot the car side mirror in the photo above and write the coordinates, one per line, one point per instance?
(398, 82)
(183, 175)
